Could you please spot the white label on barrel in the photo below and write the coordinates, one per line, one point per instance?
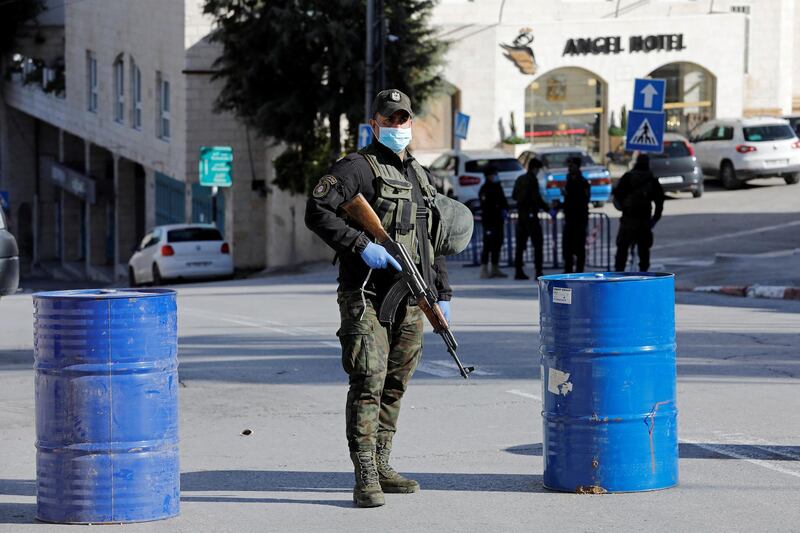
(558, 382)
(562, 295)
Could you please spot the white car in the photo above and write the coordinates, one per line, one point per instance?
(738, 150)
(460, 174)
(180, 251)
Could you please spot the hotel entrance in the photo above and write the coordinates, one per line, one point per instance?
(566, 107)
(690, 96)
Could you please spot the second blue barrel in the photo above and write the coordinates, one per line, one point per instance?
(106, 405)
(608, 382)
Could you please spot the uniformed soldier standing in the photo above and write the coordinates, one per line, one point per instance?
(494, 208)
(529, 202)
(635, 195)
(379, 359)
(576, 193)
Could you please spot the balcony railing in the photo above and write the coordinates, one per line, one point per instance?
(34, 72)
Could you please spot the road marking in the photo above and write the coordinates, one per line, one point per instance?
(271, 325)
(742, 233)
(427, 368)
(735, 455)
(524, 394)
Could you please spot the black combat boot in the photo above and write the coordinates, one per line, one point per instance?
(521, 274)
(367, 492)
(391, 481)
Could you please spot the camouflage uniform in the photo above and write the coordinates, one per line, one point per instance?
(380, 361)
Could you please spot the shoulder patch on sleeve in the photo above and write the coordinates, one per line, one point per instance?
(324, 186)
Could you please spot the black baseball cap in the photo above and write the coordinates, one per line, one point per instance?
(389, 101)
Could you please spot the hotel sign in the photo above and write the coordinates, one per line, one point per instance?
(614, 44)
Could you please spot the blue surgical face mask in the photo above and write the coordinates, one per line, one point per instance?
(395, 139)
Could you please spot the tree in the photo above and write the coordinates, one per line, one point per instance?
(293, 68)
(13, 16)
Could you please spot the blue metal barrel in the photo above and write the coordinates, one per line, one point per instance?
(608, 382)
(106, 405)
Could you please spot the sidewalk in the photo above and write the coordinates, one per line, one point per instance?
(769, 275)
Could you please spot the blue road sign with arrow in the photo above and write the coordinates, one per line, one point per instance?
(645, 131)
(461, 125)
(364, 135)
(648, 95)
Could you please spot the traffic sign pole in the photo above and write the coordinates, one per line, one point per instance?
(214, 191)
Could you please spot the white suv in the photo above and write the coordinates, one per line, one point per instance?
(460, 174)
(738, 150)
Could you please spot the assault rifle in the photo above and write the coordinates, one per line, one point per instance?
(411, 281)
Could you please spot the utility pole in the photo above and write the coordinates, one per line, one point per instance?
(375, 52)
(369, 62)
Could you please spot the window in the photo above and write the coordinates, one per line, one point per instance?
(194, 235)
(672, 149)
(723, 133)
(150, 239)
(500, 165)
(136, 96)
(444, 162)
(768, 132)
(559, 159)
(91, 81)
(162, 88)
(119, 90)
(706, 135)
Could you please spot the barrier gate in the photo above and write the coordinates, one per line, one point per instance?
(598, 242)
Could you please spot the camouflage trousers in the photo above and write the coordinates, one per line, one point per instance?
(379, 361)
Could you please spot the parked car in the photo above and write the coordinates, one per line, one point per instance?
(739, 150)
(794, 122)
(676, 167)
(461, 173)
(554, 174)
(180, 251)
(9, 259)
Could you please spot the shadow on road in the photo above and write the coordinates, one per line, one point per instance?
(688, 450)
(17, 513)
(330, 482)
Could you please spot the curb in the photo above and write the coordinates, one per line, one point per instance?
(751, 291)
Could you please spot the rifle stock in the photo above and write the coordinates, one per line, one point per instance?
(359, 210)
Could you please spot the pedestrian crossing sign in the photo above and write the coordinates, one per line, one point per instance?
(645, 132)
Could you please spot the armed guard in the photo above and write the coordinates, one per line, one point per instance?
(379, 358)
(529, 201)
(576, 193)
(494, 209)
(636, 193)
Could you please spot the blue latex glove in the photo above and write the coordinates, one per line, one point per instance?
(445, 307)
(376, 256)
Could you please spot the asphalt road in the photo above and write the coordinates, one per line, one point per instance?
(742, 237)
(261, 354)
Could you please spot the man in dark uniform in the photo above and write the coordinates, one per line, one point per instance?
(494, 208)
(635, 195)
(576, 193)
(378, 358)
(529, 202)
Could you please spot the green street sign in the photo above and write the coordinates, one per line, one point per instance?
(216, 163)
